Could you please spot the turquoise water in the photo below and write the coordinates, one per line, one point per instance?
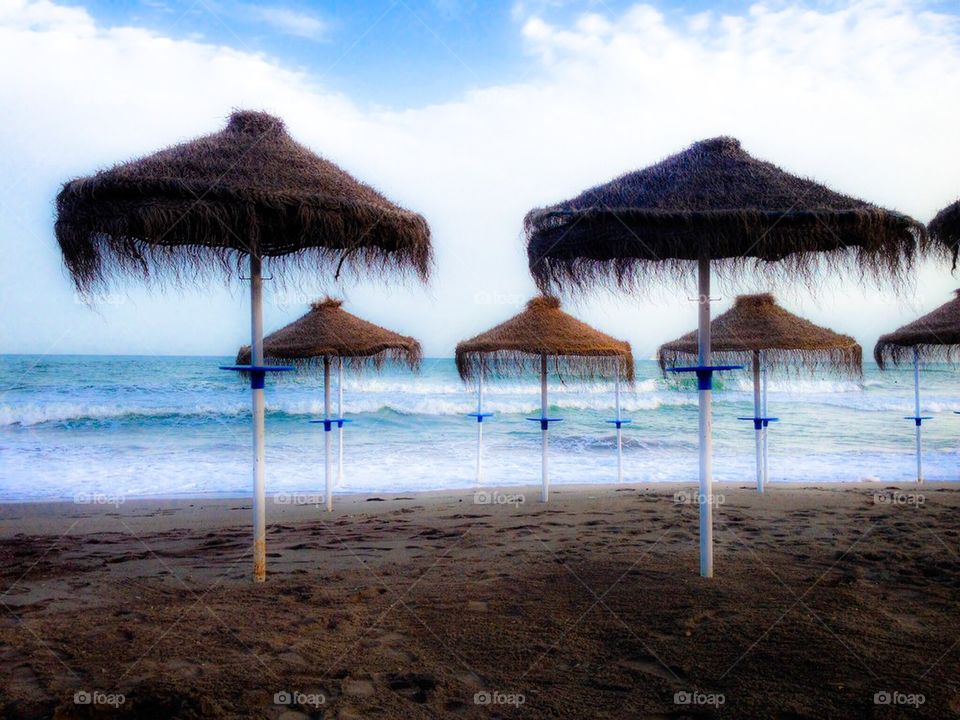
(147, 426)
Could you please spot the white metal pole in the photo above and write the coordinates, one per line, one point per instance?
(340, 425)
(757, 413)
(916, 407)
(766, 424)
(259, 466)
(327, 470)
(479, 428)
(706, 423)
(545, 491)
(619, 433)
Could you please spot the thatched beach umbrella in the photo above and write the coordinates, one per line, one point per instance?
(326, 333)
(199, 208)
(945, 229)
(536, 336)
(758, 331)
(935, 336)
(712, 203)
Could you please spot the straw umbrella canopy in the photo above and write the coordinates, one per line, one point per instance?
(543, 332)
(758, 331)
(249, 191)
(935, 336)
(713, 203)
(329, 332)
(945, 229)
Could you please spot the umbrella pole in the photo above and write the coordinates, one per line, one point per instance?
(758, 413)
(545, 491)
(259, 465)
(619, 432)
(340, 424)
(479, 428)
(916, 407)
(327, 427)
(766, 421)
(706, 422)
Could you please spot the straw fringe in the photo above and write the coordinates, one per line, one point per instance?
(196, 209)
(789, 342)
(847, 361)
(516, 346)
(329, 331)
(649, 227)
(936, 336)
(945, 229)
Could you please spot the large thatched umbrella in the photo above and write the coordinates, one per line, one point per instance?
(945, 229)
(935, 336)
(199, 208)
(712, 203)
(758, 331)
(527, 341)
(329, 332)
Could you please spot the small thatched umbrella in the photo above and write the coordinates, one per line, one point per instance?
(945, 229)
(712, 203)
(759, 331)
(935, 336)
(326, 332)
(528, 340)
(248, 191)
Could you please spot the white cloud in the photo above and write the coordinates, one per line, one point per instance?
(863, 97)
(292, 22)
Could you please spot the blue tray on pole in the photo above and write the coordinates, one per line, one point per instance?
(760, 422)
(480, 416)
(705, 373)
(258, 372)
(545, 421)
(328, 423)
(918, 420)
(619, 423)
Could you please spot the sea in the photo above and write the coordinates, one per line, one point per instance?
(123, 427)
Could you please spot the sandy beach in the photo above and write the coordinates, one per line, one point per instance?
(437, 605)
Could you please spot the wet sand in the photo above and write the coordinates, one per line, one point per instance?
(435, 606)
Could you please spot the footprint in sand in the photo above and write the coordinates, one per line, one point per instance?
(415, 686)
(648, 665)
(358, 688)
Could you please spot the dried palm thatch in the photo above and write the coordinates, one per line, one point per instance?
(329, 331)
(945, 229)
(199, 207)
(936, 336)
(714, 198)
(516, 346)
(756, 322)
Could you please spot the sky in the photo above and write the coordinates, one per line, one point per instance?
(470, 113)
